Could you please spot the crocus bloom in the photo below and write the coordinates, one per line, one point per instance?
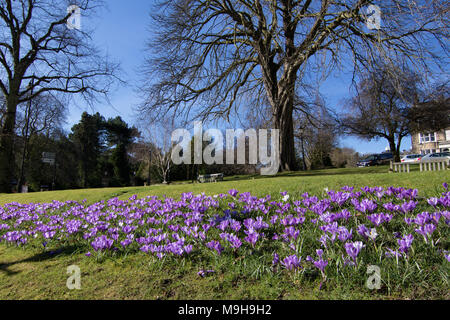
(426, 230)
(202, 273)
(447, 256)
(408, 206)
(432, 201)
(379, 218)
(320, 264)
(252, 237)
(102, 243)
(392, 253)
(276, 259)
(405, 243)
(353, 249)
(291, 262)
(344, 234)
(215, 245)
(363, 231)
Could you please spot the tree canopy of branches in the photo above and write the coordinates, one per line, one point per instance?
(382, 106)
(40, 54)
(210, 57)
(432, 113)
(45, 114)
(315, 133)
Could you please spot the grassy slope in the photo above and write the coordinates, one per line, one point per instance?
(295, 183)
(30, 274)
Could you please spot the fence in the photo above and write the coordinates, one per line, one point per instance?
(430, 165)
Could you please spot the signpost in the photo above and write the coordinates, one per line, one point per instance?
(50, 158)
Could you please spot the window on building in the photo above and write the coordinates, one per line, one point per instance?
(447, 135)
(427, 137)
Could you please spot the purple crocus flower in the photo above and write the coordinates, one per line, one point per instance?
(102, 243)
(392, 253)
(126, 242)
(215, 245)
(353, 249)
(187, 248)
(363, 231)
(321, 264)
(290, 233)
(426, 230)
(344, 234)
(203, 273)
(379, 218)
(365, 206)
(408, 206)
(252, 237)
(276, 259)
(234, 241)
(433, 202)
(291, 262)
(405, 243)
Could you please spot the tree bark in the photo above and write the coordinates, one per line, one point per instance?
(287, 150)
(7, 159)
(283, 120)
(394, 149)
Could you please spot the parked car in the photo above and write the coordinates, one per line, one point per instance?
(385, 158)
(411, 158)
(435, 156)
(369, 161)
(376, 159)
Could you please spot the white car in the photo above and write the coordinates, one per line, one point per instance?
(435, 156)
(411, 158)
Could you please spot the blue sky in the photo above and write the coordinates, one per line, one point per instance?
(123, 29)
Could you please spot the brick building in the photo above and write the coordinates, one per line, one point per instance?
(430, 142)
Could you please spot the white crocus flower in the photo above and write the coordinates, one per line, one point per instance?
(373, 233)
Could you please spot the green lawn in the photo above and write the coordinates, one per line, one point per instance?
(295, 183)
(34, 274)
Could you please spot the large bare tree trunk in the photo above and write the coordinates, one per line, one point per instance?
(281, 97)
(7, 159)
(395, 149)
(284, 122)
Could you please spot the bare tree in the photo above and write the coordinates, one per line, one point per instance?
(344, 157)
(315, 134)
(212, 56)
(44, 114)
(382, 105)
(432, 113)
(160, 146)
(39, 54)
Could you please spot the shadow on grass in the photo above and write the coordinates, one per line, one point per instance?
(39, 257)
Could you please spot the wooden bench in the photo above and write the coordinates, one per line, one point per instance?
(430, 165)
(210, 177)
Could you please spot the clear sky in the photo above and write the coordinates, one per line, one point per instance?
(123, 29)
